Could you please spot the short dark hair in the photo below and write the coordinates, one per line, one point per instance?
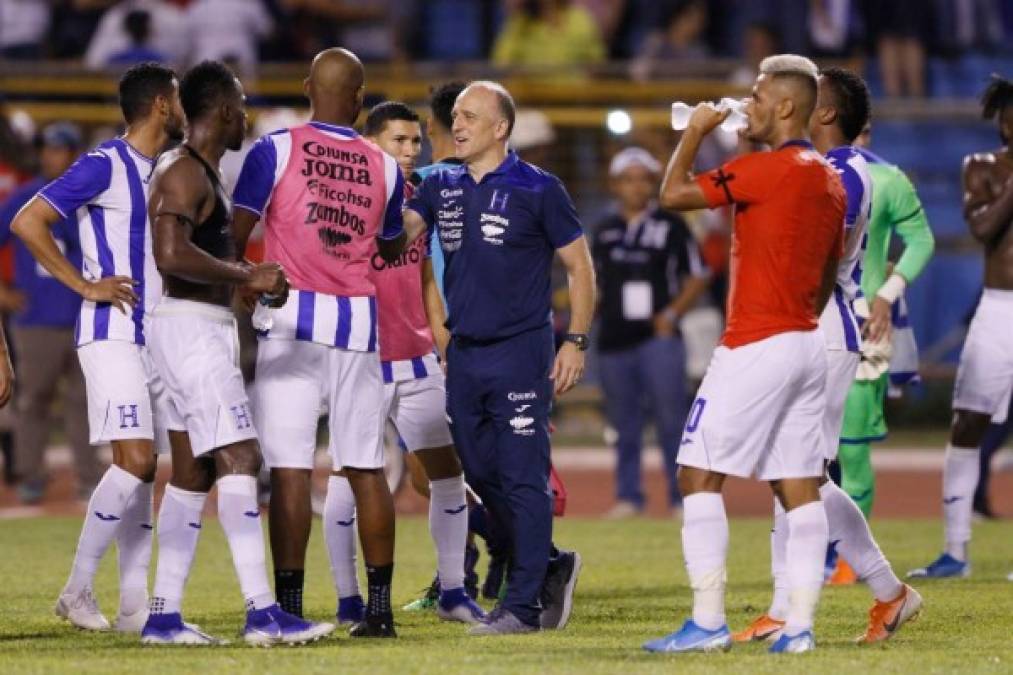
(387, 111)
(995, 98)
(441, 102)
(204, 86)
(140, 85)
(851, 99)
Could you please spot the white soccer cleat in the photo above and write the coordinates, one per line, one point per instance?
(132, 623)
(81, 609)
(169, 629)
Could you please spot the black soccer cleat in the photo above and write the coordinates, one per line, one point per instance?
(374, 626)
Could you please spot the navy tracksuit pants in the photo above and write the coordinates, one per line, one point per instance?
(498, 398)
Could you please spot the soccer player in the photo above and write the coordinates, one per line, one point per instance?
(500, 222)
(985, 375)
(330, 200)
(414, 397)
(106, 191)
(760, 409)
(895, 208)
(195, 346)
(842, 109)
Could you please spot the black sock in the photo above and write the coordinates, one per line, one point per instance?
(288, 587)
(379, 579)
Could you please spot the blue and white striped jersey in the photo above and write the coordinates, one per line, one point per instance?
(107, 189)
(838, 322)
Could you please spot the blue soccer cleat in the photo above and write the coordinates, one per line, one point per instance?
(457, 605)
(794, 644)
(272, 625)
(692, 638)
(169, 629)
(944, 567)
(351, 610)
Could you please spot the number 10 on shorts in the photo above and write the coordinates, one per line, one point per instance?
(695, 412)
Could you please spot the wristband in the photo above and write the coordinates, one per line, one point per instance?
(893, 288)
(671, 316)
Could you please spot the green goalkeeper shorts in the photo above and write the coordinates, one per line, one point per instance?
(864, 420)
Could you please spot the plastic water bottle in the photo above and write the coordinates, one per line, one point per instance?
(681, 112)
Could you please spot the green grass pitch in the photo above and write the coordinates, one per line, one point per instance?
(632, 588)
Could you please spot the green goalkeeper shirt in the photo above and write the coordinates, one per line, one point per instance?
(895, 206)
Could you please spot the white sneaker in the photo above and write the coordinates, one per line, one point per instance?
(132, 623)
(81, 609)
(188, 634)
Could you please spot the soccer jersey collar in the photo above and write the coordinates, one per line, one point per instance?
(334, 129)
(800, 142)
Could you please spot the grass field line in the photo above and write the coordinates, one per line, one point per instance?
(589, 458)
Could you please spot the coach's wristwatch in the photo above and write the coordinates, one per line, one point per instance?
(580, 339)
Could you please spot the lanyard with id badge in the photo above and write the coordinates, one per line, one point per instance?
(637, 294)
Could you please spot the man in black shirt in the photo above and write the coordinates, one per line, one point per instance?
(649, 273)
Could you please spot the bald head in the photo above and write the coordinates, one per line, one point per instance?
(335, 86)
(483, 119)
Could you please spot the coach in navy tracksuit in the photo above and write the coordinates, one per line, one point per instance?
(499, 222)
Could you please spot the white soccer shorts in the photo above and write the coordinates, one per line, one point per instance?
(985, 373)
(418, 410)
(195, 347)
(295, 381)
(841, 368)
(760, 410)
(127, 398)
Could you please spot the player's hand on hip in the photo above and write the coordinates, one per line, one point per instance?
(878, 327)
(706, 118)
(568, 368)
(117, 291)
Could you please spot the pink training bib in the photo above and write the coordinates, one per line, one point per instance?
(325, 212)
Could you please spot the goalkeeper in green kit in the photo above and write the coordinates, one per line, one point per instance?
(895, 208)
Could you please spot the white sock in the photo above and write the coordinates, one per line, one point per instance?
(807, 550)
(960, 476)
(448, 525)
(179, 525)
(779, 563)
(239, 515)
(133, 540)
(105, 513)
(847, 526)
(705, 546)
(339, 533)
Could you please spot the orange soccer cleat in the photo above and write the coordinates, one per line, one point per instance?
(843, 574)
(762, 628)
(885, 618)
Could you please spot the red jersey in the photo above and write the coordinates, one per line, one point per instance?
(789, 220)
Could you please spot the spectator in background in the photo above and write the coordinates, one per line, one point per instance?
(138, 25)
(372, 29)
(681, 38)
(760, 40)
(23, 26)
(168, 32)
(550, 34)
(833, 27)
(649, 275)
(900, 30)
(229, 31)
(74, 22)
(45, 312)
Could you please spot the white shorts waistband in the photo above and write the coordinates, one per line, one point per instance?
(176, 307)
